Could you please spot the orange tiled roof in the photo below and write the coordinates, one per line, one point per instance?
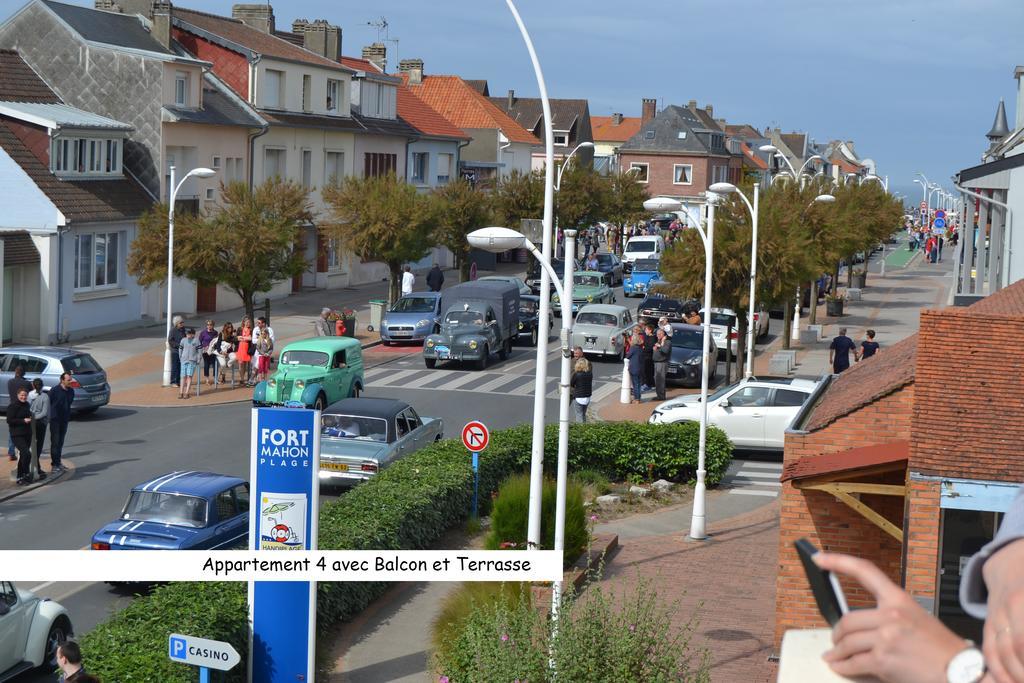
(846, 461)
(463, 106)
(359, 64)
(605, 129)
(423, 118)
(844, 165)
(753, 158)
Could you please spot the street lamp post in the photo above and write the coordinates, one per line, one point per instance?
(565, 163)
(198, 173)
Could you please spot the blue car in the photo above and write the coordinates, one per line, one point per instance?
(645, 273)
(181, 511)
(412, 319)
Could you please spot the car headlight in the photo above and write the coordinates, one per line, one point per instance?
(272, 383)
(423, 323)
(692, 361)
(629, 280)
(384, 321)
(554, 299)
(430, 343)
(472, 344)
(520, 326)
(590, 298)
(299, 384)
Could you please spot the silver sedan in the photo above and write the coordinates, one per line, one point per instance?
(599, 329)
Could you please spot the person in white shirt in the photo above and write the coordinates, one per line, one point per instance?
(408, 281)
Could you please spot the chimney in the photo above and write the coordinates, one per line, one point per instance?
(692, 105)
(161, 17)
(721, 122)
(320, 37)
(616, 119)
(511, 99)
(378, 54)
(648, 108)
(259, 17)
(413, 67)
(710, 110)
(157, 11)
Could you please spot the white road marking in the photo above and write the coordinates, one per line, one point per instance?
(606, 390)
(754, 492)
(394, 378)
(764, 465)
(756, 482)
(493, 384)
(761, 475)
(460, 379)
(36, 589)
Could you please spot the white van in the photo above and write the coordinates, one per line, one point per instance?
(642, 246)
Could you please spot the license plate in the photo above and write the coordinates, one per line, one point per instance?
(99, 399)
(443, 352)
(401, 334)
(294, 404)
(334, 466)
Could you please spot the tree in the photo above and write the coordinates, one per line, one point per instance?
(518, 196)
(624, 203)
(382, 219)
(581, 197)
(459, 209)
(247, 245)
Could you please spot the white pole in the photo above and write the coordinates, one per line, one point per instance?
(624, 393)
(537, 450)
(170, 279)
(697, 523)
(563, 418)
(751, 327)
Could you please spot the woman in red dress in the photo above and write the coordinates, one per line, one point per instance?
(244, 354)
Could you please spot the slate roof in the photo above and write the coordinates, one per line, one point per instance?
(707, 119)
(19, 249)
(58, 115)
(528, 112)
(368, 68)
(604, 128)
(220, 106)
(109, 28)
(744, 130)
(666, 126)
(234, 31)
(451, 97)
(846, 461)
(19, 83)
(795, 142)
(480, 86)
(376, 126)
(341, 123)
(82, 200)
(424, 118)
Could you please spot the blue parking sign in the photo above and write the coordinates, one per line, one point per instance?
(177, 648)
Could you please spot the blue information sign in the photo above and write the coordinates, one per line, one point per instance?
(285, 461)
(939, 223)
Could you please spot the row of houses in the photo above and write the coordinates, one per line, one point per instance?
(98, 103)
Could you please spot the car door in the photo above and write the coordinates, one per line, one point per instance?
(492, 330)
(417, 434)
(335, 383)
(233, 514)
(783, 408)
(741, 415)
(14, 626)
(405, 441)
(5, 377)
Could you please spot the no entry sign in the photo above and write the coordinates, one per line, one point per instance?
(475, 436)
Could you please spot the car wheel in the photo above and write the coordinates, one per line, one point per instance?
(59, 632)
(431, 363)
(504, 351)
(320, 403)
(482, 363)
(533, 337)
(385, 342)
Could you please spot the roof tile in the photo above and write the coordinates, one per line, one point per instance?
(846, 461)
(19, 83)
(606, 130)
(424, 118)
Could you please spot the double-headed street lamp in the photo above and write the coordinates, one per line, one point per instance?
(198, 173)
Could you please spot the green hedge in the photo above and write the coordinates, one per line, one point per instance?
(410, 505)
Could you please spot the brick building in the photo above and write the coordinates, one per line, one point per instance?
(909, 459)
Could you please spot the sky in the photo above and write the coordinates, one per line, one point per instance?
(914, 83)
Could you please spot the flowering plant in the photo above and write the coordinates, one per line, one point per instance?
(342, 314)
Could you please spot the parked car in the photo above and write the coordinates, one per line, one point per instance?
(610, 263)
(642, 246)
(684, 364)
(529, 319)
(412, 318)
(31, 628)
(588, 287)
(184, 510)
(48, 363)
(645, 272)
(361, 436)
(655, 306)
(524, 289)
(599, 328)
(724, 322)
(481, 318)
(313, 373)
(754, 413)
(533, 273)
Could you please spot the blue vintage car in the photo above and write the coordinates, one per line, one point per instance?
(412, 318)
(181, 511)
(638, 282)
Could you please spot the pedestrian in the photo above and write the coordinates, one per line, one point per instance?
(930, 250)
(585, 241)
(839, 351)
(636, 365)
(244, 353)
(257, 334)
(206, 338)
(581, 384)
(648, 341)
(592, 262)
(14, 385)
(661, 355)
(577, 353)
(868, 347)
(226, 351)
(692, 317)
(39, 406)
(664, 324)
(174, 343)
(189, 352)
(62, 396)
(939, 240)
(264, 350)
(69, 660)
(435, 278)
(19, 422)
(408, 281)
(323, 325)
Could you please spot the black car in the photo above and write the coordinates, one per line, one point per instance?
(533, 273)
(655, 306)
(684, 365)
(610, 263)
(529, 317)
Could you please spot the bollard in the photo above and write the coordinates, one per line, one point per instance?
(624, 394)
(266, 310)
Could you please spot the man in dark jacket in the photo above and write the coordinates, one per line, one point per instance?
(648, 356)
(14, 385)
(19, 422)
(174, 342)
(61, 398)
(662, 352)
(435, 278)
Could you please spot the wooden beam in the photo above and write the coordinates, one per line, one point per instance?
(857, 487)
(862, 472)
(872, 516)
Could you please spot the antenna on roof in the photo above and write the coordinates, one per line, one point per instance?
(383, 36)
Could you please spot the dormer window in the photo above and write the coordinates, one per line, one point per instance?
(333, 95)
(181, 88)
(85, 156)
(561, 139)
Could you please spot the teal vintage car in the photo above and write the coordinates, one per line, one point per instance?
(588, 287)
(314, 373)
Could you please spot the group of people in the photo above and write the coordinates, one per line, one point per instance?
(931, 242)
(31, 411)
(648, 349)
(248, 348)
(841, 347)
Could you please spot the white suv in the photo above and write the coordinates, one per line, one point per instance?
(754, 413)
(641, 246)
(31, 628)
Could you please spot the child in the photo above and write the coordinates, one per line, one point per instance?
(188, 351)
(264, 349)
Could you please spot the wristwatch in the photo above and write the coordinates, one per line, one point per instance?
(967, 666)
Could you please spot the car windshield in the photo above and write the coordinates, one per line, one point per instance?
(640, 246)
(647, 264)
(661, 304)
(167, 508)
(557, 264)
(303, 358)
(687, 339)
(80, 363)
(586, 280)
(527, 307)
(605, 259)
(595, 318)
(414, 304)
(464, 318)
(354, 427)
(722, 319)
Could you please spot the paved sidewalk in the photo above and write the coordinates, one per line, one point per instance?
(8, 476)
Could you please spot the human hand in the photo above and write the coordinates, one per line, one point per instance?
(1004, 628)
(897, 641)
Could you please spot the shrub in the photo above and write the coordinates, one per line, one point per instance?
(461, 602)
(595, 479)
(511, 512)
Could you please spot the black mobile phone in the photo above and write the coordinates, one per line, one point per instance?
(824, 584)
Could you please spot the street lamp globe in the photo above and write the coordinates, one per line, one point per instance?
(768, 148)
(662, 204)
(202, 172)
(496, 239)
(825, 198)
(723, 188)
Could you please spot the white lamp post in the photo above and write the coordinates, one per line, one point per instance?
(498, 239)
(198, 173)
(565, 162)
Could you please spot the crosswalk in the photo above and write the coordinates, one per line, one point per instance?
(504, 382)
(750, 478)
